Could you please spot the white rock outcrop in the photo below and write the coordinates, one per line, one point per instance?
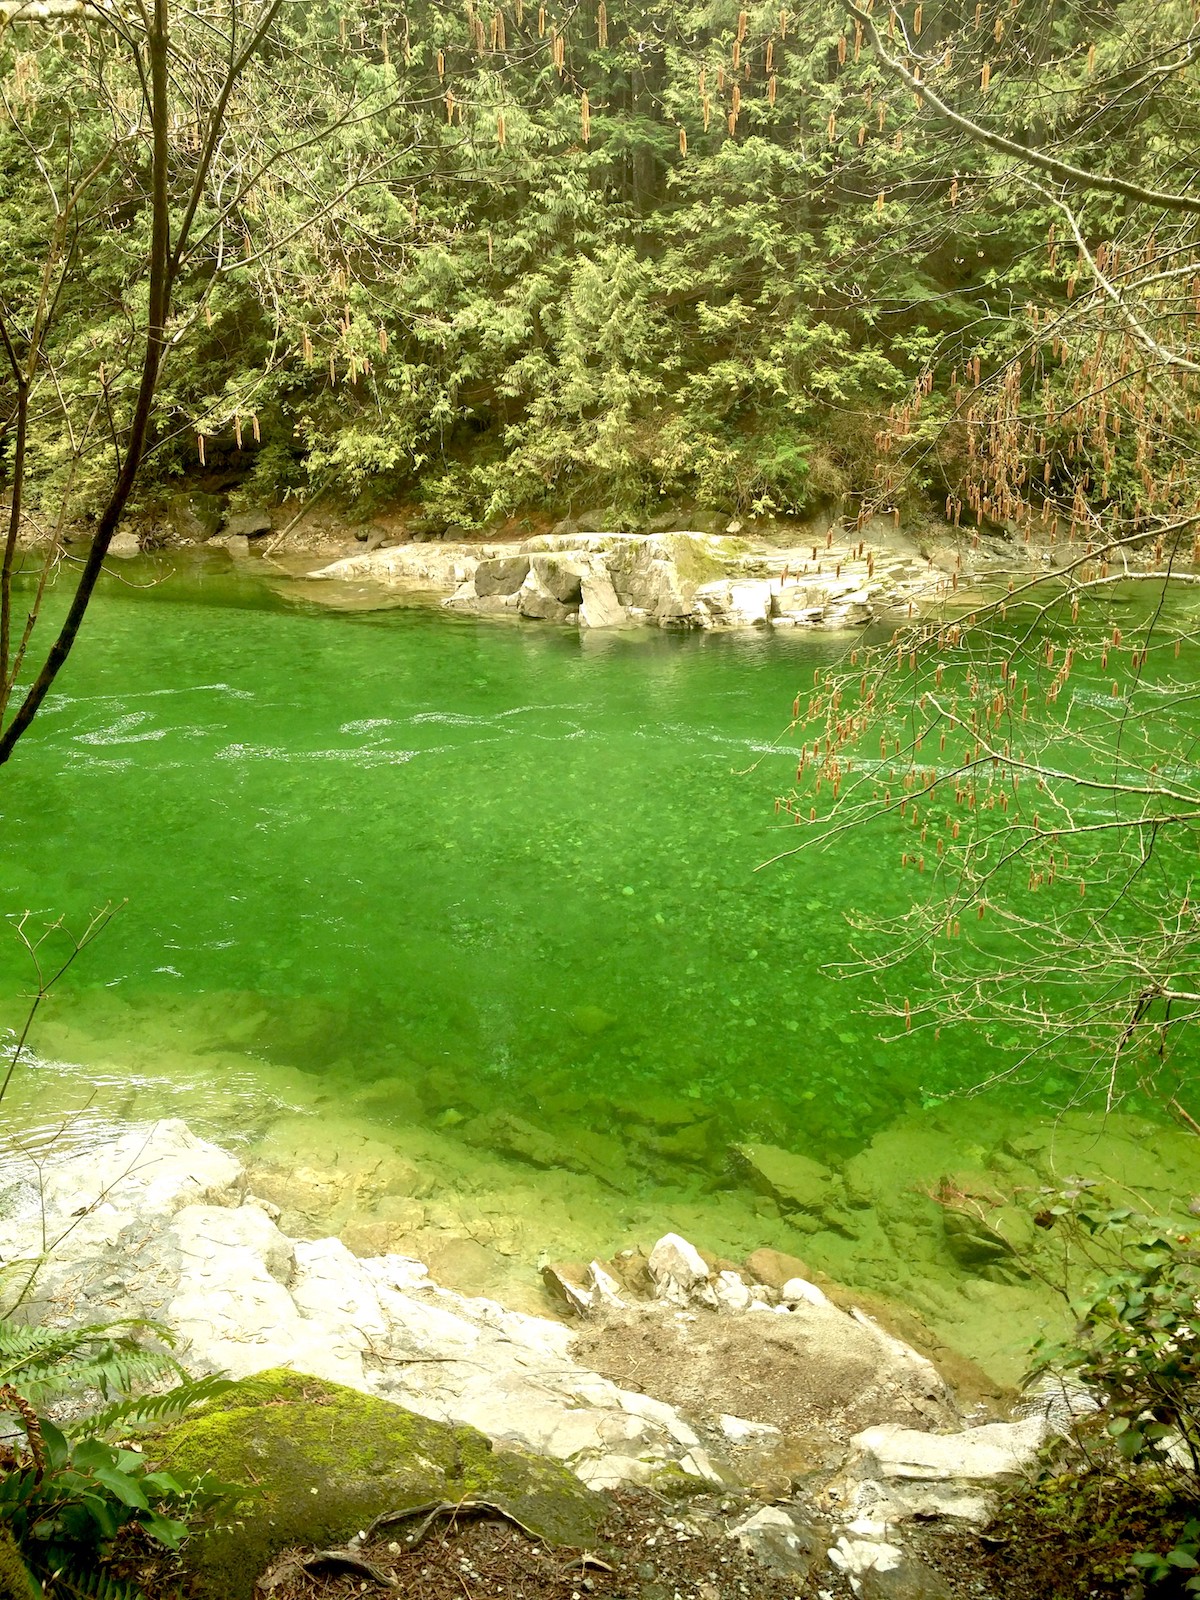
(157, 1224)
(669, 580)
(901, 1473)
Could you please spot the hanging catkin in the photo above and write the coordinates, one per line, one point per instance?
(585, 118)
(501, 132)
(772, 82)
(602, 25)
(682, 141)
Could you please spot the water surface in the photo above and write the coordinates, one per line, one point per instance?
(488, 893)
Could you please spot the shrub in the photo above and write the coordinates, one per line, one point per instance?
(73, 1499)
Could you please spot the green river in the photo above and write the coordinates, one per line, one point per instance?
(454, 927)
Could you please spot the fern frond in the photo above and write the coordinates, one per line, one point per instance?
(125, 1415)
(78, 1585)
(48, 1362)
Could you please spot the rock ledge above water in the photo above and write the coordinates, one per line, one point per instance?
(666, 580)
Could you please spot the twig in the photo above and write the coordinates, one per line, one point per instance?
(1184, 1116)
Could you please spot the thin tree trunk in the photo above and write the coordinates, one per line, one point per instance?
(157, 47)
(10, 542)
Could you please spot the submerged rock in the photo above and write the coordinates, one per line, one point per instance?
(794, 1182)
(775, 1267)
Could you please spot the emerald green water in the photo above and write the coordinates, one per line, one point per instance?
(512, 864)
(436, 879)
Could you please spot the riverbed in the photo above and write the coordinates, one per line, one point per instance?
(471, 913)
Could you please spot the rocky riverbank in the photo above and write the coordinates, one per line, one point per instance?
(845, 577)
(825, 1434)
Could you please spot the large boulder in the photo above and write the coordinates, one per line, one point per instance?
(731, 604)
(249, 524)
(536, 601)
(677, 1268)
(196, 516)
(561, 576)
(324, 1461)
(659, 575)
(600, 606)
(501, 575)
(897, 1473)
(784, 1539)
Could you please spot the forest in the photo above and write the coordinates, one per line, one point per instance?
(474, 260)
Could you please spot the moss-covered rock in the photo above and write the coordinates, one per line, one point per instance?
(322, 1461)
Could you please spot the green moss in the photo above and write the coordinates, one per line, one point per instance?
(322, 1461)
(671, 1481)
(695, 561)
(15, 1580)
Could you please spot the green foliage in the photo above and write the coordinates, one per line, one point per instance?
(490, 321)
(71, 1495)
(1136, 1352)
(757, 251)
(1138, 1340)
(1077, 1531)
(49, 1364)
